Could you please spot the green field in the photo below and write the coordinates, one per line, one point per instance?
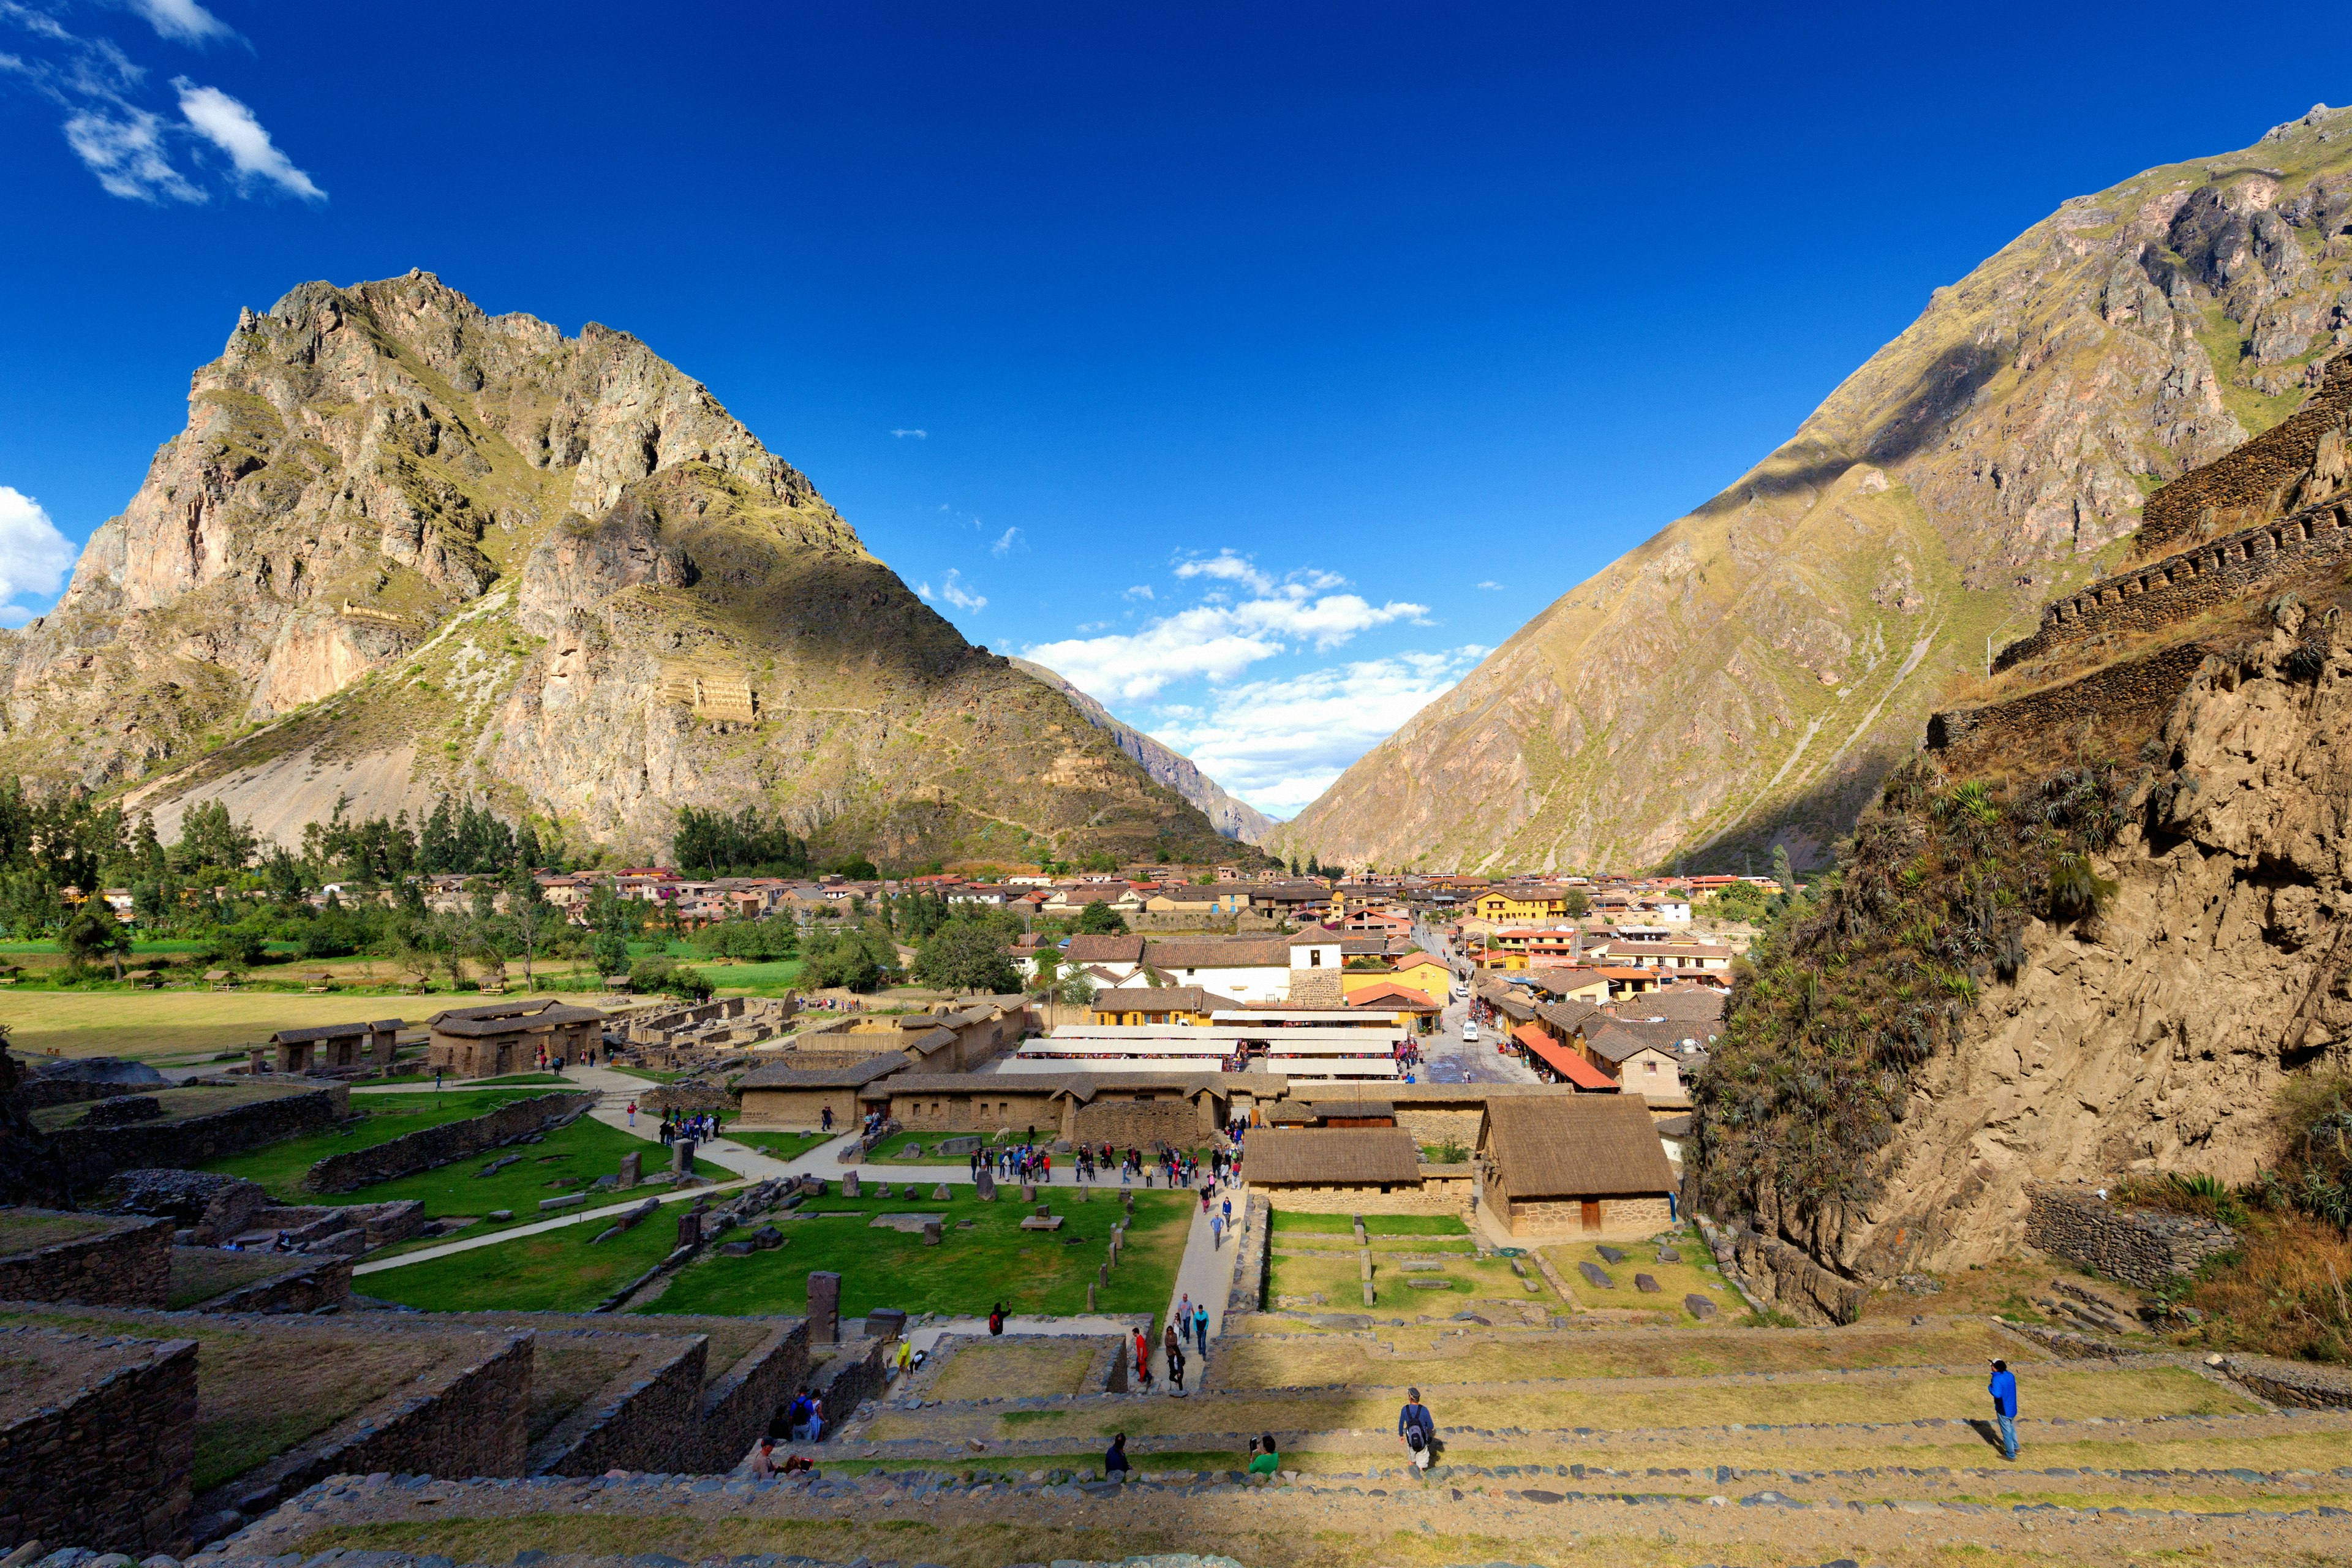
(155, 1026)
(552, 1271)
(971, 1270)
(1374, 1224)
(782, 1145)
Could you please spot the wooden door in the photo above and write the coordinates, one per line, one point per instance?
(1592, 1213)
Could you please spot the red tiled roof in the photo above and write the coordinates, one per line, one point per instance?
(1565, 1062)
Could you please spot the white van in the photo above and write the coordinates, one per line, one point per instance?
(1469, 1032)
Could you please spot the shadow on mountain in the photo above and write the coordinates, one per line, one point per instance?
(1811, 824)
(1941, 391)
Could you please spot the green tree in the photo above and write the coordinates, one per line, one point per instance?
(1577, 904)
(94, 933)
(1098, 918)
(1078, 988)
(1781, 871)
(966, 955)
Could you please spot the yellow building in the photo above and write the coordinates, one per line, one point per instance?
(1138, 1005)
(1515, 906)
(1415, 971)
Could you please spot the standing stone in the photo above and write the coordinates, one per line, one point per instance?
(930, 1233)
(681, 1156)
(1102, 1275)
(824, 1307)
(1364, 1264)
(939, 1193)
(987, 1190)
(633, 1167)
(849, 1183)
(1028, 1192)
(689, 1229)
(1044, 1211)
(1090, 1295)
(1082, 1194)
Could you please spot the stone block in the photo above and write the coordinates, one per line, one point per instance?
(633, 1168)
(940, 1193)
(932, 1233)
(1668, 1255)
(1699, 1307)
(767, 1238)
(1596, 1276)
(681, 1156)
(568, 1201)
(986, 1191)
(886, 1324)
(849, 1187)
(1612, 1254)
(1646, 1284)
(824, 1307)
(735, 1250)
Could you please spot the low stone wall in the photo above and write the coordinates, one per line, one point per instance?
(1444, 1197)
(1794, 1282)
(1431, 1125)
(649, 1419)
(2146, 1247)
(91, 1154)
(323, 1282)
(2070, 1346)
(2124, 699)
(2267, 474)
(128, 1264)
(471, 1420)
(2300, 1384)
(1248, 1293)
(1564, 1220)
(852, 1374)
(435, 1146)
(108, 1464)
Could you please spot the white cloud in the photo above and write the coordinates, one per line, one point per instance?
(182, 21)
(1141, 591)
(1004, 546)
(1279, 743)
(1226, 566)
(124, 148)
(953, 591)
(231, 127)
(1491, 587)
(1215, 641)
(920, 436)
(33, 556)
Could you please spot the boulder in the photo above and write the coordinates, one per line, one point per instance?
(1699, 1307)
(1595, 1276)
(1610, 1255)
(1645, 1283)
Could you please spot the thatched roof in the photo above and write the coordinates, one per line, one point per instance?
(1333, 1156)
(1598, 1145)
(782, 1075)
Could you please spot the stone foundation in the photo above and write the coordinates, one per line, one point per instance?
(91, 1154)
(2146, 1247)
(127, 1265)
(452, 1141)
(1430, 1197)
(1138, 1124)
(105, 1459)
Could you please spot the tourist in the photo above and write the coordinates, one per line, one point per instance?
(1216, 1232)
(2003, 1389)
(1175, 1353)
(1269, 1460)
(633, 1113)
(1416, 1430)
(1168, 1341)
(1114, 1462)
(825, 1118)
(763, 1462)
(1207, 1191)
(1201, 1326)
(1183, 1318)
(996, 1319)
(810, 1411)
(1228, 1211)
(1142, 1361)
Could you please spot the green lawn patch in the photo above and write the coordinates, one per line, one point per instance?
(551, 1271)
(1374, 1224)
(995, 1260)
(780, 1145)
(281, 1167)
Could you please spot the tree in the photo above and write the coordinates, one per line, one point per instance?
(1048, 975)
(95, 933)
(856, 868)
(1078, 988)
(1577, 904)
(1781, 872)
(1100, 860)
(965, 955)
(1098, 918)
(530, 914)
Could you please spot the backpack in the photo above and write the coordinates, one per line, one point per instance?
(1412, 1438)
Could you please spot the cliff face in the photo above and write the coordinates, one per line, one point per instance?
(1234, 818)
(1750, 673)
(405, 547)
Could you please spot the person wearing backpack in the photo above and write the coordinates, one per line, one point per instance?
(1417, 1430)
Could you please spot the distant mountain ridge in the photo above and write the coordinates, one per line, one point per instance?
(1749, 674)
(1232, 817)
(403, 548)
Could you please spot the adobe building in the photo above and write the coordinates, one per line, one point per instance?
(1581, 1166)
(1352, 1170)
(782, 1095)
(501, 1037)
(331, 1048)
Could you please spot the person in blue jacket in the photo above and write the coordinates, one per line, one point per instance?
(2003, 1389)
(1417, 1430)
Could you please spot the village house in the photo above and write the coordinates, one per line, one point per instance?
(1158, 1005)
(1303, 969)
(1336, 1169)
(1522, 904)
(1589, 1166)
(333, 1047)
(779, 1095)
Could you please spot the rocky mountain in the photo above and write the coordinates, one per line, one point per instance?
(405, 547)
(1750, 673)
(1234, 818)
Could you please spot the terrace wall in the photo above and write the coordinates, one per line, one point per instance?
(108, 1466)
(91, 1154)
(321, 1282)
(1428, 1197)
(434, 1146)
(2146, 1248)
(129, 1264)
(651, 1420)
(1139, 1123)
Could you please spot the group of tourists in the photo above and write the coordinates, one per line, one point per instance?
(678, 1127)
(1016, 1163)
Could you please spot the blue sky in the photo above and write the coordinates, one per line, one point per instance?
(1260, 367)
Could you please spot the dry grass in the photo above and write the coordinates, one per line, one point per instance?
(1012, 1371)
(163, 1025)
(564, 1374)
(201, 1273)
(2287, 1292)
(1675, 1281)
(21, 1232)
(178, 1103)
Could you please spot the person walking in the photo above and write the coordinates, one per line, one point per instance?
(1416, 1430)
(1229, 1212)
(827, 1119)
(1182, 1321)
(996, 1319)
(1201, 1326)
(1175, 1364)
(1142, 1361)
(1216, 1232)
(2003, 1389)
(1115, 1466)
(633, 1113)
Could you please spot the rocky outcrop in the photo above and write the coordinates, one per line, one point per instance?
(1234, 818)
(1749, 674)
(404, 548)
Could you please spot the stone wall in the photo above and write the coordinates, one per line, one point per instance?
(740, 1403)
(469, 1420)
(434, 1146)
(2299, 460)
(1137, 1124)
(321, 1282)
(2184, 587)
(2122, 704)
(128, 1264)
(2146, 1248)
(93, 1154)
(1435, 1125)
(649, 1419)
(1436, 1197)
(1248, 1293)
(108, 1464)
(2300, 1384)
(852, 1374)
(1563, 1219)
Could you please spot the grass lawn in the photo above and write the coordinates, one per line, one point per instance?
(201, 1273)
(1029, 1271)
(30, 1232)
(551, 1271)
(988, 1371)
(154, 1025)
(1336, 1277)
(383, 1117)
(1675, 1281)
(726, 975)
(1374, 1224)
(783, 1145)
